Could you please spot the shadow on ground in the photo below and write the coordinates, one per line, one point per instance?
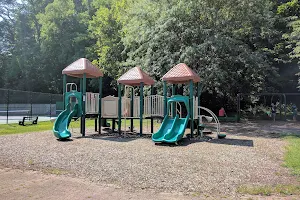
(236, 142)
(116, 137)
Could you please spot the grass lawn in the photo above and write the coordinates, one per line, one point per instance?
(292, 161)
(6, 129)
(292, 156)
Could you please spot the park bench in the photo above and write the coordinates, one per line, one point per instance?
(33, 120)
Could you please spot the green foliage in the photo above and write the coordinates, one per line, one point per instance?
(225, 42)
(7, 129)
(235, 46)
(291, 160)
(105, 28)
(291, 12)
(270, 190)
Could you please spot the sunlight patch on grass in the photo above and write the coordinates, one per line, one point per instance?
(55, 171)
(6, 129)
(292, 155)
(270, 190)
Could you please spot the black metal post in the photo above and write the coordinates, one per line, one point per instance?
(141, 107)
(131, 109)
(7, 106)
(113, 126)
(238, 107)
(100, 105)
(50, 105)
(31, 104)
(284, 98)
(96, 121)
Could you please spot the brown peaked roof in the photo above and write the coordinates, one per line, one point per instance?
(181, 73)
(135, 76)
(81, 66)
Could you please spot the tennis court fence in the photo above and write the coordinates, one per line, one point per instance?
(16, 104)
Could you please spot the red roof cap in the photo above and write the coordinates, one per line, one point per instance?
(135, 77)
(81, 66)
(181, 73)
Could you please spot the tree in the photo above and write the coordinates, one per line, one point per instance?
(291, 12)
(64, 38)
(226, 42)
(105, 28)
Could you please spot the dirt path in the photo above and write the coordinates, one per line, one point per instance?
(17, 184)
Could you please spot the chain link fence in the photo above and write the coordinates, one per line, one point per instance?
(16, 104)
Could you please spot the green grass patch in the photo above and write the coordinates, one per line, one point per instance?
(270, 190)
(6, 129)
(30, 162)
(292, 155)
(292, 161)
(55, 171)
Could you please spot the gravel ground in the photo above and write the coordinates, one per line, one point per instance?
(215, 166)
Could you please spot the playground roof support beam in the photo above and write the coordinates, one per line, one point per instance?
(131, 108)
(119, 108)
(192, 106)
(151, 111)
(100, 105)
(141, 107)
(83, 104)
(199, 90)
(174, 104)
(64, 88)
(81, 88)
(165, 98)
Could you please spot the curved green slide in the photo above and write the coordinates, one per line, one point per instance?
(61, 125)
(172, 130)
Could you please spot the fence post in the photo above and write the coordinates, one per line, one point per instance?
(30, 104)
(7, 105)
(50, 106)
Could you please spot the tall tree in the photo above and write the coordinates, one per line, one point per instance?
(226, 42)
(64, 37)
(105, 28)
(7, 37)
(291, 13)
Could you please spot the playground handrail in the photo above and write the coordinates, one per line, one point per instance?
(214, 116)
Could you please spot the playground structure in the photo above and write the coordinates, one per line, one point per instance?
(74, 100)
(172, 129)
(82, 104)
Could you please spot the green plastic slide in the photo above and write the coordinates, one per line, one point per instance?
(61, 125)
(171, 130)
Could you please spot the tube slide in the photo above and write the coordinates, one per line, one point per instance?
(61, 125)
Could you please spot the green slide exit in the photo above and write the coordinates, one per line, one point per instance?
(61, 125)
(171, 130)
